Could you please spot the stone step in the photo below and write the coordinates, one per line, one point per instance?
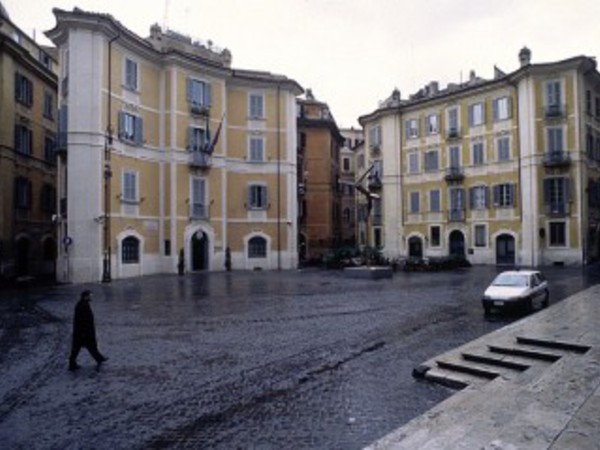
(555, 345)
(496, 361)
(529, 353)
(452, 379)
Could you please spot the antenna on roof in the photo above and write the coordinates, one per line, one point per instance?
(166, 15)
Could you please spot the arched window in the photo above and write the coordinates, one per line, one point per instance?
(130, 253)
(257, 247)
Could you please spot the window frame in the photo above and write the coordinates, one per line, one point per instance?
(554, 240)
(428, 156)
(435, 204)
(257, 247)
(129, 186)
(413, 161)
(131, 80)
(476, 237)
(415, 202)
(130, 250)
(503, 152)
(258, 197)
(477, 147)
(256, 105)
(256, 154)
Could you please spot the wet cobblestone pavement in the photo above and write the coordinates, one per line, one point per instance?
(269, 360)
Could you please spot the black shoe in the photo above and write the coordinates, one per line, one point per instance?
(102, 359)
(73, 367)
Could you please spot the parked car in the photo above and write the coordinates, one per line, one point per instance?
(516, 290)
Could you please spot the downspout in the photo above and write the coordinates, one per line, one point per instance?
(278, 177)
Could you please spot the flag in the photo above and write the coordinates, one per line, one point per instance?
(211, 144)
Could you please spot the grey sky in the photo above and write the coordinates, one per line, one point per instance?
(352, 53)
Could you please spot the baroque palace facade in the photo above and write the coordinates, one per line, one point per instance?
(168, 157)
(501, 171)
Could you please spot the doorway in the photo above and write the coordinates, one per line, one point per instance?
(457, 243)
(415, 247)
(505, 250)
(199, 251)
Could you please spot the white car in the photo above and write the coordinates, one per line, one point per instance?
(516, 289)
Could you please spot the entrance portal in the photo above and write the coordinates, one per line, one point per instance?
(415, 247)
(505, 250)
(199, 251)
(457, 244)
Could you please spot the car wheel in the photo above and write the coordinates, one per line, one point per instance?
(546, 300)
(487, 310)
(528, 305)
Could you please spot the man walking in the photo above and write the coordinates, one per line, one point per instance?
(84, 332)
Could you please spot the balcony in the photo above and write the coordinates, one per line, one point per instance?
(199, 211)
(557, 209)
(454, 174)
(452, 133)
(199, 109)
(456, 215)
(557, 159)
(554, 111)
(375, 183)
(200, 160)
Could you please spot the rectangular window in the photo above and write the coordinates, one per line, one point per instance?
(431, 161)
(504, 195)
(49, 148)
(457, 199)
(129, 187)
(199, 206)
(22, 193)
(476, 114)
(23, 90)
(257, 153)
(555, 140)
(198, 94)
(412, 128)
(346, 164)
(23, 140)
(454, 157)
(453, 123)
(502, 108)
(131, 128)
(414, 202)
(433, 124)
(556, 195)
(413, 162)
(479, 197)
(503, 146)
(553, 93)
(48, 105)
(257, 196)
(197, 139)
(256, 106)
(434, 201)
(375, 136)
(435, 234)
(478, 154)
(558, 234)
(131, 75)
(480, 236)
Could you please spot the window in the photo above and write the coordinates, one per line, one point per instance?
(199, 206)
(413, 162)
(199, 94)
(23, 89)
(502, 108)
(553, 95)
(256, 106)
(197, 139)
(257, 196)
(48, 199)
(453, 122)
(433, 124)
(588, 101)
(479, 197)
(257, 247)
(412, 128)
(49, 148)
(503, 147)
(556, 195)
(414, 202)
(457, 199)
(375, 136)
(558, 234)
(48, 105)
(129, 187)
(504, 195)
(480, 236)
(555, 140)
(476, 114)
(23, 139)
(130, 250)
(131, 128)
(378, 237)
(434, 201)
(346, 164)
(454, 157)
(435, 236)
(478, 154)
(431, 160)
(46, 60)
(131, 75)
(22, 193)
(257, 152)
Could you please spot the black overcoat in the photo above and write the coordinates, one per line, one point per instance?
(84, 331)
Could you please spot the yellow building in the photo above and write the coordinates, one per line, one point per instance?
(501, 171)
(27, 161)
(170, 158)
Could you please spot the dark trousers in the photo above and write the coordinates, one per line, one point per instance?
(92, 348)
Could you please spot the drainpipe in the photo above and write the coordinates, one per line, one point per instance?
(278, 177)
(106, 266)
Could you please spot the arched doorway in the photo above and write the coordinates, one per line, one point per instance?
(22, 260)
(457, 243)
(505, 250)
(415, 247)
(199, 251)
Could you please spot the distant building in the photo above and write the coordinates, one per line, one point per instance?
(500, 171)
(320, 195)
(171, 159)
(352, 138)
(28, 86)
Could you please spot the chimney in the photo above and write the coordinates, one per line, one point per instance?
(525, 57)
(434, 87)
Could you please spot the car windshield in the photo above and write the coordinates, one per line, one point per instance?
(510, 279)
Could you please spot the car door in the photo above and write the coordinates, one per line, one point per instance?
(537, 290)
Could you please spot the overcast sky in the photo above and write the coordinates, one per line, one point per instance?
(353, 53)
